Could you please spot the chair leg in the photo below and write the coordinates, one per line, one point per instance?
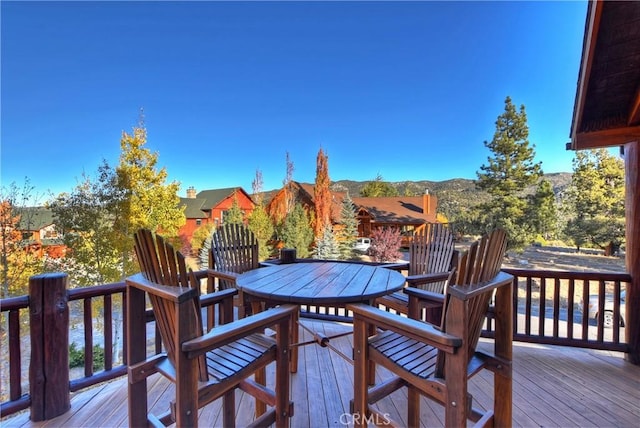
(260, 378)
(413, 405)
(360, 374)
(371, 377)
(229, 408)
(295, 338)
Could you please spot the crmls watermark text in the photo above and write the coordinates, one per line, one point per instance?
(357, 418)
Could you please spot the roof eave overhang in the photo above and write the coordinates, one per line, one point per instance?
(613, 136)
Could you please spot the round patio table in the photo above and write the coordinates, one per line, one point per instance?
(321, 283)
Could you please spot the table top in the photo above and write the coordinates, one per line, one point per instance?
(320, 282)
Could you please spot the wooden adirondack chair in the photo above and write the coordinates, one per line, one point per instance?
(234, 250)
(203, 366)
(432, 264)
(437, 362)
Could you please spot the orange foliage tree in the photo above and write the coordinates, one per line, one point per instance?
(322, 197)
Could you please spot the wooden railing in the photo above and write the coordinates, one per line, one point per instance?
(555, 294)
(552, 307)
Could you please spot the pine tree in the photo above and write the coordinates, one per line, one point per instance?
(377, 188)
(542, 215)
(327, 247)
(595, 200)
(509, 172)
(322, 197)
(348, 231)
(234, 215)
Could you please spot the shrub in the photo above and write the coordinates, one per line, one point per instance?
(76, 356)
(385, 245)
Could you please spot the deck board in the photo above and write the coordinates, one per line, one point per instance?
(552, 386)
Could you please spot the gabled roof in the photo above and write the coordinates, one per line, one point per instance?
(396, 209)
(206, 200)
(607, 106)
(34, 218)
(214, 196)
(194, 207)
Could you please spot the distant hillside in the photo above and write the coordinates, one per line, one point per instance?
(461, 187)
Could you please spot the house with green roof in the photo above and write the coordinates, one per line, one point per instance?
(210, 207)
(39, 232)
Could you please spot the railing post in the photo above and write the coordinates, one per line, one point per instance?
(49, 367)
(632, 207)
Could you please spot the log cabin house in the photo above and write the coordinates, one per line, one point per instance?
(39, 233)
(406, 213)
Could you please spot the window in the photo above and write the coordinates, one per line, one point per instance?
(198, 222)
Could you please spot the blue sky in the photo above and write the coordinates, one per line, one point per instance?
(407, 90)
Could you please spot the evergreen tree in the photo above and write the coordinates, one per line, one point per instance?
(322, 197)
(297, 232)
(327, 247)
(348, 231)
(234, 215)
(542, 210)
(203, 251)
(595, 200)
(377, 188)
(508, 173)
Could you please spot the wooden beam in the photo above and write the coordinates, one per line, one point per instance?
(588, 53)
(607, 138)
(634, 111)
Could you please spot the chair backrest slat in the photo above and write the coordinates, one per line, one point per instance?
(162, 264)
(234, 248)
(431, 251)
(479, 265)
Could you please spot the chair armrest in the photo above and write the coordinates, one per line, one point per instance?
(395, 266)
(220, 274)
(169, 292)
(427, 278)
(227, 333)
(408, 327)
(217, 297)
(424, 295)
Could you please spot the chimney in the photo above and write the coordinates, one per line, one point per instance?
(426, 202)
(191, 192)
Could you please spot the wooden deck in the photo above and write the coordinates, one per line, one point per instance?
(553, 386)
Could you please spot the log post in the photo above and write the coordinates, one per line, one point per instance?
(49, 331)
(632, 207)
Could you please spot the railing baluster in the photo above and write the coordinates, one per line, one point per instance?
(542, 311)
(15, 370)
(527, 321)
(556, 309)
(108, 332)
(585, 310)
(88, 338)
(570, 305)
